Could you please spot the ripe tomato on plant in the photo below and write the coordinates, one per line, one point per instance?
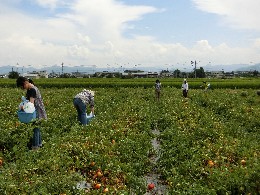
(210, 163)
(97, 186)
(243, 162)
(105, 190)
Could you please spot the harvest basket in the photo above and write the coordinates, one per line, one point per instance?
(26, 117)
(89, 118)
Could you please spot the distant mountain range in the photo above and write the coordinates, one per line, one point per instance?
(93, 69)
(235, 67)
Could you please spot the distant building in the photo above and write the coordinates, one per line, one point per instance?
(216, 74)
(229, 75)
(53, 75)
(140, 74)
(81, 74)
(43, 74)
(36, 74)
(167, 74)
(31, 75)
(153, 74)
(107, 74)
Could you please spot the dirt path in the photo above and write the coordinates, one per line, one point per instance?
(154, 176)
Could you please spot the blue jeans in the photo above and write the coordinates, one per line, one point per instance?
(37, 138)
(81, 109)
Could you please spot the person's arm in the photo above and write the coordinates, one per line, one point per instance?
(31, 95)
(92, 110)
(92, 104)
(32, 100)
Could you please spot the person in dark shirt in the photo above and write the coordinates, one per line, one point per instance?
(33, 95)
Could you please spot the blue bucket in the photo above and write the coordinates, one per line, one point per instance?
(89, 119)
(26, 117)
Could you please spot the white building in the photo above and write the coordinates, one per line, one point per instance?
(36, 74)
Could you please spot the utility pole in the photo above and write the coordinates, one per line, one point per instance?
(62, 68)
(195, 67)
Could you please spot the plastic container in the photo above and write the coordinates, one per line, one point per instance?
(29, 107)
(26, 117)
(22, 104)
(90, 117)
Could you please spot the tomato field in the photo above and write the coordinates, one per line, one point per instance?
(209, 142)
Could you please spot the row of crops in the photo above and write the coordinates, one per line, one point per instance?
(209, 142)
(241, 83)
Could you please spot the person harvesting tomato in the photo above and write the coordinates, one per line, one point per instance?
(81, 101)
(158, 87)
(185, 88)
(33, 95)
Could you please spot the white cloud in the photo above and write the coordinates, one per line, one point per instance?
(236, 13)
(104, 19)
(91, 32)
(83, 32)
(257, 44)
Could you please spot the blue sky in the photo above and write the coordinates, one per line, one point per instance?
(129, 33)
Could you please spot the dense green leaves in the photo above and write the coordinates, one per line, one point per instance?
(221, 126)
